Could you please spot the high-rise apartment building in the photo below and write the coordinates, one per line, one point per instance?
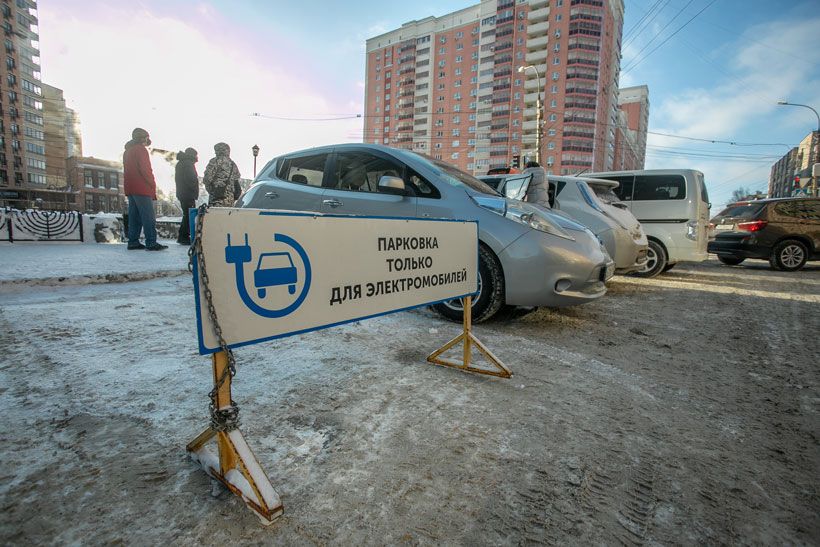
(792, 173)
(453, 87)
(630, 147)
(22, 154)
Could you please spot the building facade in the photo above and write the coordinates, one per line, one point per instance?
(464, 87)
(97, 183)
(22, 149)
(634, 103)
(796, 164)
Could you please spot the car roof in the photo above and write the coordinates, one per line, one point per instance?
(770, 200)
(604, 174)
(347, 145)
(591, 181)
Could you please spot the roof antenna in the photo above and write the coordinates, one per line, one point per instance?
(582, 171)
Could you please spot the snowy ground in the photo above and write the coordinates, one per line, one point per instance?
(677, 410)
(75, 263)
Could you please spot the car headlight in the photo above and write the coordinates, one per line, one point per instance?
(530, 216)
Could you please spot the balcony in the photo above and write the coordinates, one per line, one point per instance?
(537, 57)
(582, 61)
(538, 15)
(582, 76)
(538, 29)
(531, 83)
(530, 98)
(535, 4)
(529, 126)
(536, 44)
(578, 119)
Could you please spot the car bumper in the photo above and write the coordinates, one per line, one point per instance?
(738, 245)
(630, 255)
(542, 261)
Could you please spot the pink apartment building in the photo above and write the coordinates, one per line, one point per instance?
(450, 86)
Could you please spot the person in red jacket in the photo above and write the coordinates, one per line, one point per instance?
(141, 189)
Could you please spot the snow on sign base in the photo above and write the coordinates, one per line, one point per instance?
(275, 273)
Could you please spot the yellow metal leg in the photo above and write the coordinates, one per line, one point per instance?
(469, 339)
(234, 464)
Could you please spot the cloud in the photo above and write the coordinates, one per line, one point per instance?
(758, 75)
(121, 69)
(754, 75)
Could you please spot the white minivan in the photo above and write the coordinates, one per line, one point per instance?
(672, 205)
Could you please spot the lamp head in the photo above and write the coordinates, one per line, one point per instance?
(782, 102)
(521, 69)
(255, 150)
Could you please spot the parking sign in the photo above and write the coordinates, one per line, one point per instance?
(274, 274)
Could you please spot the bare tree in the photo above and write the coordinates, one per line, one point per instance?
(740, 193)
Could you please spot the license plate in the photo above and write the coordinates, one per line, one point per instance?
(724, 227)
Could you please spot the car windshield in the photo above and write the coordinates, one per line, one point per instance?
(453, 176)
(741, 210)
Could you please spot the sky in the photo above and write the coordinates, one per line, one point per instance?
(197, 73)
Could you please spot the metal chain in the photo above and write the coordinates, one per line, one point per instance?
(225, 419)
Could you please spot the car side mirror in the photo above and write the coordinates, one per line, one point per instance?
(392, 185)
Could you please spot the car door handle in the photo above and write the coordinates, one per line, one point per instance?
(332, 202)
(271, 195)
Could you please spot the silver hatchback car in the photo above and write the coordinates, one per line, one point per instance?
(527, 256)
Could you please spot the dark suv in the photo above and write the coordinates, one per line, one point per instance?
(786, 231)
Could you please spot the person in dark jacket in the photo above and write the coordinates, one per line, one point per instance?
(141, 189)
(187, 183)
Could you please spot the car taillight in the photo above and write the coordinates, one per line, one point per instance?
(753, 226)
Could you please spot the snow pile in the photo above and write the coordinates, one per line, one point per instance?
(103, 228)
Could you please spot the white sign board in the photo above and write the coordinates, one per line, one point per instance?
(274, 274)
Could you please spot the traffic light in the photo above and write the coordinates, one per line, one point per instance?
(516, 162)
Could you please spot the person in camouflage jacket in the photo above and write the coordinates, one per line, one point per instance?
(221, 178)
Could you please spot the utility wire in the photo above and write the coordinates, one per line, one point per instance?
(639, 61)
(657, 34)
(258, 115)
(646, 25)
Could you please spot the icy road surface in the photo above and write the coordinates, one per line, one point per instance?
(681, 410)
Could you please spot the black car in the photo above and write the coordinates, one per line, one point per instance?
(786, 231)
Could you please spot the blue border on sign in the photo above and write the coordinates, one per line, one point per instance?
(195, 274)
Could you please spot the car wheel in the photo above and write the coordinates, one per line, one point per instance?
(789, 255)
(490, 295)
(655, 260)
(730, 260)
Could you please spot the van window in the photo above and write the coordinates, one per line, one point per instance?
(304, 169)
(624, 189)
(659, 187)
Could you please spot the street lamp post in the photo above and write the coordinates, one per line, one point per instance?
(817, 141)
(537, 111)
(255, 150)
